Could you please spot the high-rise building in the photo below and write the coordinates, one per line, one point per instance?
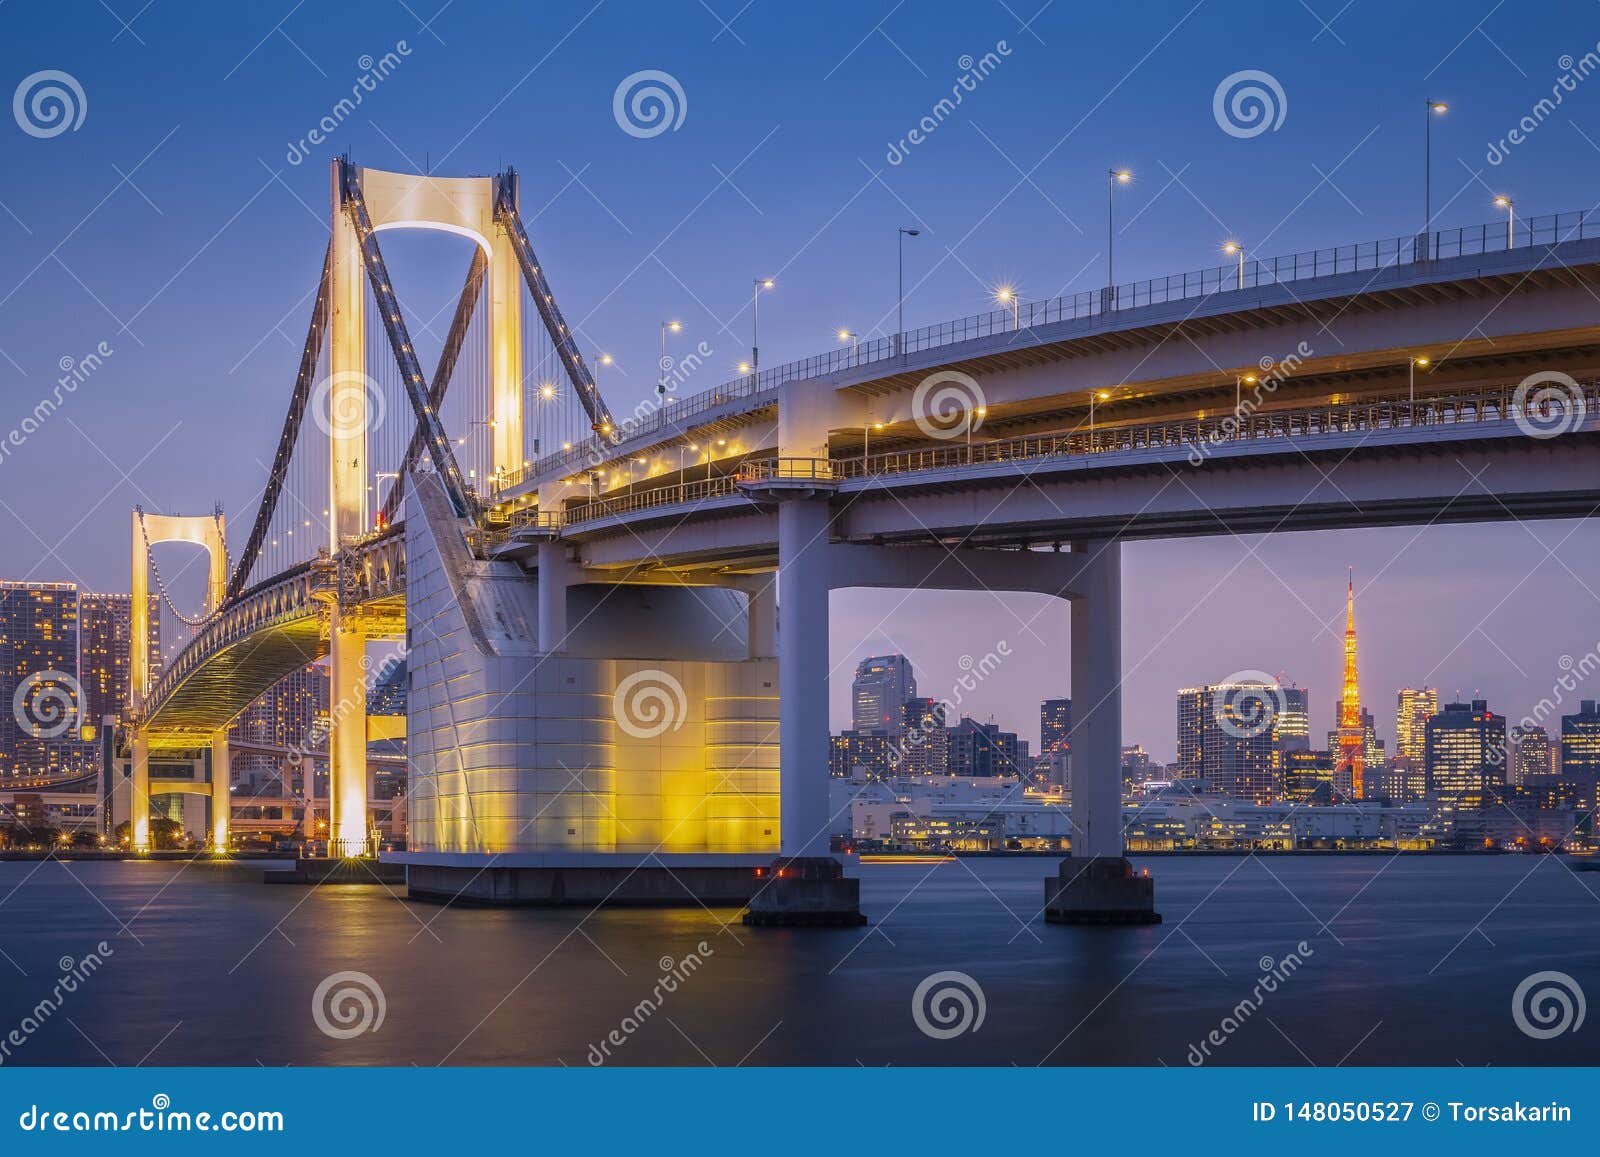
(1534, 754)
(105, 634)
(982, 749)
(1055, 726)
(850, 752)
(1580, 743)
(882, 685)
(1229, 735)
(41, 703)
(1137, 768)
(1414, 707)
(1308, 775)
(1465, 753)
(1292, 727)
(292, 716)
(925, 740)
(1352, 736)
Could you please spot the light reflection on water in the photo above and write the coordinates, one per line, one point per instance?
(1410, 962)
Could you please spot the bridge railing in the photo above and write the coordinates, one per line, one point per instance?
(1257, 273)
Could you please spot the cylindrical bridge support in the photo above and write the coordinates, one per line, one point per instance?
(347, 738)
(221, 792)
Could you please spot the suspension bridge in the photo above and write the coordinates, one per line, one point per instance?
(589, 605)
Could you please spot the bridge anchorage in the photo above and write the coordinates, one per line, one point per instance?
(594, 658)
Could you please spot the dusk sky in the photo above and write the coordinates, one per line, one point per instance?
(173, 226)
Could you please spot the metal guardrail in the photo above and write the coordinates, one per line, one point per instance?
(789, 470)
(1364, 256)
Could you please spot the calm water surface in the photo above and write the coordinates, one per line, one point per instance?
(1412, 961)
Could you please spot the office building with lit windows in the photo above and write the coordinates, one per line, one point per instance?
(882, 685)
(1232, 736)
(1055, 726)
(1534, 755)
(41, 703)
(925, 739)
(1413, 708)
(1465, 754)
(1580, 743)
(105, 633)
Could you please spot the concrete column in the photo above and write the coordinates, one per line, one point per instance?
(505, 354)
(763, 618)
(556, 573)
(139, 795)
(347, 380)
(1096, 735)
(347, 738)
(221, 792)
(803, 675)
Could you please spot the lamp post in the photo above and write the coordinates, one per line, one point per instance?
(1230, 249)
(1100, 395)
(866, 440)
(1114, 177)
(900, 309)
(979, 412)
(1510, 206)
(758, 285)
(1434, 108)
(854, 339)
(1411, 376)
(661, 383)
(1005, 295)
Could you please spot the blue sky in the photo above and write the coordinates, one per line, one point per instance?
(172, 226)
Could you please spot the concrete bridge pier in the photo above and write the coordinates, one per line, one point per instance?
(1096, 884)
(139, 793)
(221, 792)
(347, 737)
(805, 886)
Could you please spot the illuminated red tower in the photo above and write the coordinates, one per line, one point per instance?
(1352, 735)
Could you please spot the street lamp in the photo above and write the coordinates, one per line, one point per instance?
(1411, 376)
(1239, 383)
(661, 384)
(758, 285)
(854, 339)
(1114, 177)
(1094, 395)
(866, 435)
(1434, 108)
(1510, 206)
(1232, 247)
(900, 309)
(978, 413)
(1005, 295)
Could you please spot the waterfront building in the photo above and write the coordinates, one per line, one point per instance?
(925, 740)
(1465, 753)
(41, 702)
(853, 754)
(982, 749)
(1228, 735)
(105, 634)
